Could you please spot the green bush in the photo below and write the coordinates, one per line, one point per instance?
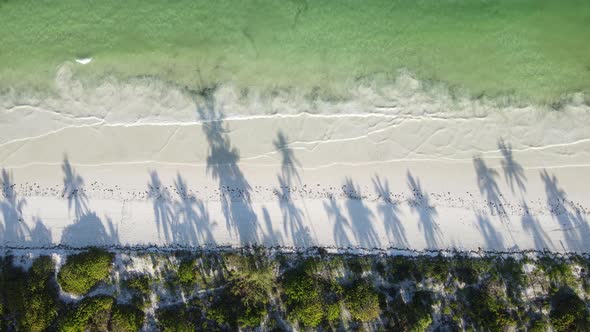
(303, 299)
(139, 284)
(568, 311)
(557, 270)
(511, 270)
(224, 309)
(468, 270)
(251, 281)
(41, 301)
(92, 313)
(83, 271)
(539, 325)
(486, 309)
(243, 302)
(30, 297)
(362, 301)
(412, 316)
(187, 275)
(175, 319)
(126, 318)
(403, 268)
(101, 313)
(310, 314)
(436, 268)
(333, 312)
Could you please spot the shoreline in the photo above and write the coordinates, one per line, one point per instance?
(398, 167)
(33, 252)
(404, 83)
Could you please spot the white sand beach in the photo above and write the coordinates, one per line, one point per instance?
(404, 166)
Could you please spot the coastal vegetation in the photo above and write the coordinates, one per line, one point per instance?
(83, 271)
(253, 287)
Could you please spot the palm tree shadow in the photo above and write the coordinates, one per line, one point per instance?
(14, 229)
(289, 163)
(513, 171)
(420, 203)
(40, 234)
(162, 205)
(488, 186)
(340, 223)
(293, 222)
(389, 211)
(74, 189)
(493, 238)
(192, 222)
(88, 228)
(582, 228)
(570, 217)
(532, 225)
(292, 216)
(222, 164)
(360, 216)
(270, 237)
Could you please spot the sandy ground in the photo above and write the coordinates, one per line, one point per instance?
(141, 163)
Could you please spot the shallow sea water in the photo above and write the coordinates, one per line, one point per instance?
(534, 49)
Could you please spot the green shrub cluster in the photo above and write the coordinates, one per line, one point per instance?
(177, 319)
(557, 270)
(304, 299)
(418, 269)
(312, 294)
(329, 292)
(101, 313)
(412, 316)
(28, 298)
(568, 311)
(187, 274)
(83, 271)
(92, 313)
(140, 288)
(140, 284)
(362, 301)
(126, 318)
(486, 308)
(250, 282)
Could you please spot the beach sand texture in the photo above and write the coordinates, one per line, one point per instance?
(396, 166)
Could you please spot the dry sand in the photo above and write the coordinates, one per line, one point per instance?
(400, 166)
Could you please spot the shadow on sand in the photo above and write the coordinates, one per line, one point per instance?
(14, 230)
(87, 228)
(270, 237)
(571, 218)
(533, 227)
(182, 219)
(493, 238)
(289, 163)
(163, 206)
(360, 216)
(488, 187)
(222, 164)
(420, 203)
(341, 224)
(293, 218)
(389, 210)
(513, 171)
